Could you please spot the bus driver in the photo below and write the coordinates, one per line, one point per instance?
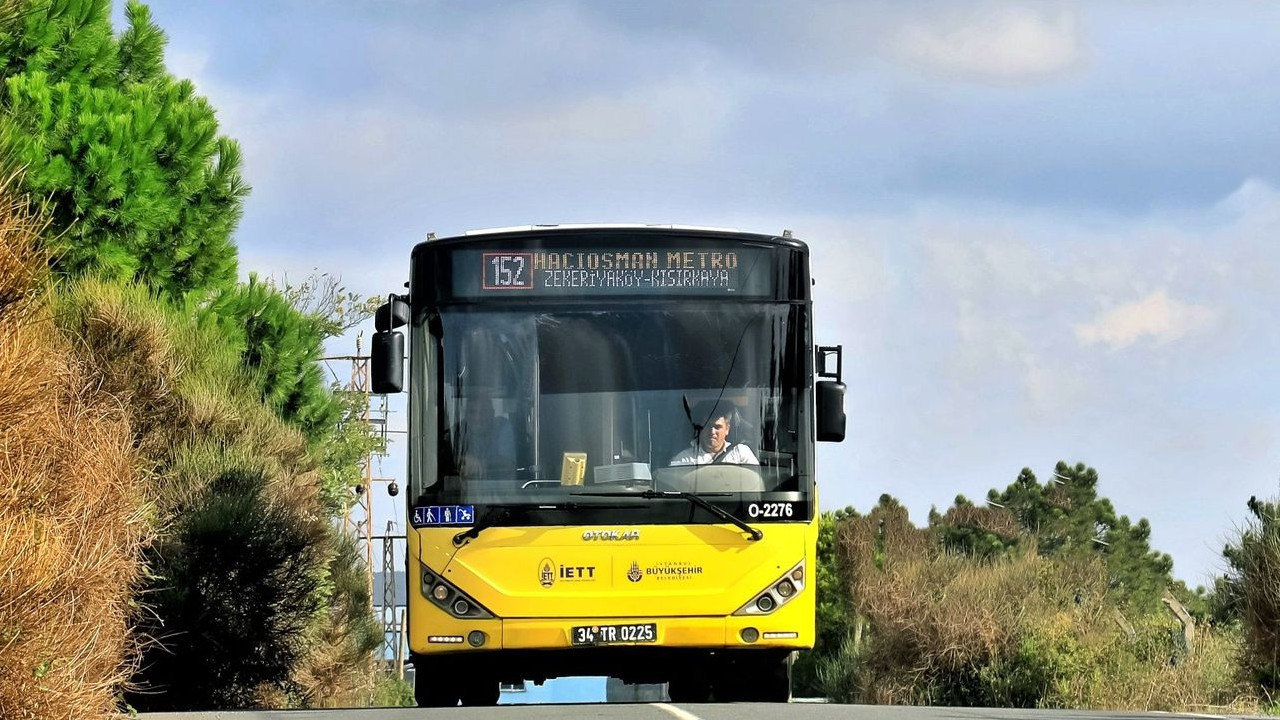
(711, 444)
(487, 445)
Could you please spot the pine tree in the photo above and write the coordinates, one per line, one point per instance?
(282, 347)
(125, 159)
(1066, 518)
(1250, 592)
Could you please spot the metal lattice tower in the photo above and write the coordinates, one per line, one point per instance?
(360, 514)
(390, 621)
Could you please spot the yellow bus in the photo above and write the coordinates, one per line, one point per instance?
(611, 458)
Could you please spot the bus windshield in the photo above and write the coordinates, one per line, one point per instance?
(539, 404)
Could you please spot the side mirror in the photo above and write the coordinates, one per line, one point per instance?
(391, 314)
(831, 418)
(830, 394)
(386, 357)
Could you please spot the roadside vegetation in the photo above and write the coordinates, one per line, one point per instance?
(73, 514)
(1043, 597)
(165, 426)
(1249, 597)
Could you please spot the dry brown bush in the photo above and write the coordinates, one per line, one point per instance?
(936, 617)
(1019, 630)
(71, 509)
(996, 521)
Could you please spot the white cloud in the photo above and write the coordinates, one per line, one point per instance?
(1155, 316)
(997, 42)
(680, 118)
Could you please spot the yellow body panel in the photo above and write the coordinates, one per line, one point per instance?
(540, 582)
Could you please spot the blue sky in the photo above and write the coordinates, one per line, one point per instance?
(1042, 231)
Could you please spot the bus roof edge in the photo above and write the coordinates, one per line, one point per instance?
(596, 226)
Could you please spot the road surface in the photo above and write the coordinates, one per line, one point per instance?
(670, 711)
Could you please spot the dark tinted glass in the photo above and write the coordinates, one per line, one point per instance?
(542, 404)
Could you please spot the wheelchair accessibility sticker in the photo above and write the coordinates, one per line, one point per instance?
(444, 515)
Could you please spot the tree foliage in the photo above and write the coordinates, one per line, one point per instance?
(279, 331)
(125, 160)
(1250, 592)
(281, 347)
(1064, 517)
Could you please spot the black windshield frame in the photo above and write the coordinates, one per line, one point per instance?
(434, 409)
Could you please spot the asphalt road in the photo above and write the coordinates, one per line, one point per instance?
(667, 711)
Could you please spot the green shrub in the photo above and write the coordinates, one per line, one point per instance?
(235, 585)
(391, 691)
(834, 620)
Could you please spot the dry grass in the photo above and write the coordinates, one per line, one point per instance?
(195, 417)
(339, 671)
(192, 411)
(71, 512)
(334, 675)
(997, 521)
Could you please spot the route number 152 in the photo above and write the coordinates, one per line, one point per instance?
(507, 271)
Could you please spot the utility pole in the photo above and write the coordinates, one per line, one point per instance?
(359, 517)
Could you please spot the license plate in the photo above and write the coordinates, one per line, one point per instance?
(612, 634)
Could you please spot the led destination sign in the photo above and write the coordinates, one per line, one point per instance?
(625, 271)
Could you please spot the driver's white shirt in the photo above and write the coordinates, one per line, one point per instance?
(739, 454)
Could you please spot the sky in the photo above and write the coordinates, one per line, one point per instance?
(1041, 231)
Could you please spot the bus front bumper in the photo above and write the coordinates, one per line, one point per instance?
(733, 632)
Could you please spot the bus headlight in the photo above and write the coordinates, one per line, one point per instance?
(779, 593)
(445, 596)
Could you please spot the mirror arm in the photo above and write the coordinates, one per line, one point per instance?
(826, 351)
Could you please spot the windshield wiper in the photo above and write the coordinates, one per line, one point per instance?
(495, 516)
(694, 498)
(499, 514)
